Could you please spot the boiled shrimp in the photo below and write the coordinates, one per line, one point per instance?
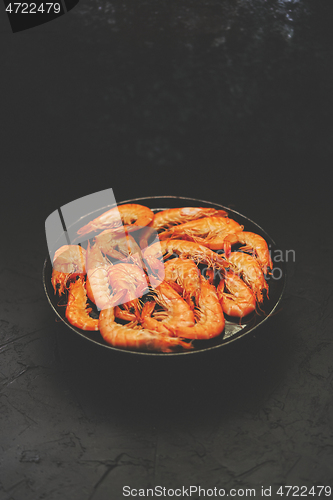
(170, 217)
(210, 318)
(208, 231)
(68, 262)
(122, 313)
(251, 272)
(97, 273)
(125, 337)
(185, 274)
(119, 245)
(133, 281)
(184, 249)
(176, 311)
(254, 243)
(132, 215)
(235, 297)
(129, 277)
(77, 310)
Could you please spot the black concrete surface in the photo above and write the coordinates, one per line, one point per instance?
(223, 101)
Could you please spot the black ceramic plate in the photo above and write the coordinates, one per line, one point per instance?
(233, 330)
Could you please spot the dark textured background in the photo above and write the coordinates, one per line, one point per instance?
(228, 101)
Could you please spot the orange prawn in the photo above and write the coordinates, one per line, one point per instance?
(184, 249)
(210, 321)
(68, 262)
(77, 310)
(137, 339)
(251, 272)
(185, 274)
(208, 231)
(253, 242)
(235, 297)
(132, 215)
(172, 216)
(176, 311)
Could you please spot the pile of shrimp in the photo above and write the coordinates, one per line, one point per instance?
(138, 299)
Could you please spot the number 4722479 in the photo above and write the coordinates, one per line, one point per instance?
(33, 8)
(304, 491)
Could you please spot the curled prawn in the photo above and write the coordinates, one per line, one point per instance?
(124, 313)
(235, 297)
(132, 280)
(132, 215)
(208, 231)
(68, 262)
(185, 274)
(137, 339)
(176, 311)
(210, 322)
(253, 242)
(119, 245)
(77, 310)
(129, 277)
(251, 272)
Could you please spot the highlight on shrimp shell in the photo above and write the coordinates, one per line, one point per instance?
(162, 282)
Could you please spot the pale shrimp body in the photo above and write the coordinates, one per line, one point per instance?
(184, 273)
(235, 297)
(176, 311)
(254, 243)
(134, 216)
(208, 231)
(129, 277)
(122, 313)
(119, 245)
(68, 262)
(97, 273)
(137, 339)
(210, 322)
(77, 311)
(251, 272)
